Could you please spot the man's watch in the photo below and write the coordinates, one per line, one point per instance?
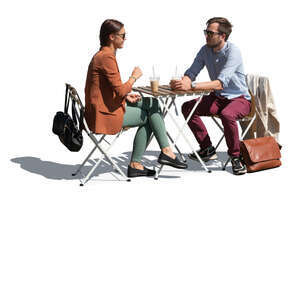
(193, 84)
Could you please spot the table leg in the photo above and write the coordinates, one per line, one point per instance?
(182, 128)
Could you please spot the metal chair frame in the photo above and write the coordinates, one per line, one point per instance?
(97, 142)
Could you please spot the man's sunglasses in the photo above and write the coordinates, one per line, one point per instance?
(123, 35)
(210, 33)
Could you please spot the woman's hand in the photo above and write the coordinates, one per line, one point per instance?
(133, 98)
(137, 73)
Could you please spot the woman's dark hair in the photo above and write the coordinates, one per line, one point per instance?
(224, 25)
(108, 27)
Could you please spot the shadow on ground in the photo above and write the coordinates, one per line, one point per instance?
(58, 171)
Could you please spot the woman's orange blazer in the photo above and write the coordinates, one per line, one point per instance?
(105, 93)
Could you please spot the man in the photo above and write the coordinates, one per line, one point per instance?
(230, 99)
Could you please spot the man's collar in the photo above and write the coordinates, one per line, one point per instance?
(222, 50)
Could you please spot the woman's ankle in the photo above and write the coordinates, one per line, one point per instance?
(136, 165)
(168, 151)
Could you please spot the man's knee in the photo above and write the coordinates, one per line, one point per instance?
(227, 115)
(185, 109)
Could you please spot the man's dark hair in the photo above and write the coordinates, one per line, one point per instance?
(108, 27)
(224, 25)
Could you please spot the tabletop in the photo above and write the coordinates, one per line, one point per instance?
(166, 91)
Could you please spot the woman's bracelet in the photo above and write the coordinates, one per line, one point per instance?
(133, 78)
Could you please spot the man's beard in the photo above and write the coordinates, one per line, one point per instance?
(213, 45)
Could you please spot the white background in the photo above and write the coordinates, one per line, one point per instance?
(190, 236)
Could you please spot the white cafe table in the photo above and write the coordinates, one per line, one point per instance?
(168, 98)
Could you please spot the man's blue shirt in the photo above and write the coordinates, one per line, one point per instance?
(225, 65)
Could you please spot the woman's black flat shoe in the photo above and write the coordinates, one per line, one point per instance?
(133, 172)
(164, 159)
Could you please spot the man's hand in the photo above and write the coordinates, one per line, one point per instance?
(184, 84)
(133, 98)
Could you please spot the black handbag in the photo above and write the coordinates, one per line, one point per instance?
(69, 129)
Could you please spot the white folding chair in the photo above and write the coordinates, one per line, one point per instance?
(249, 119)
(72, 93)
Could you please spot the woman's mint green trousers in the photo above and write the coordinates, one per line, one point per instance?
(147, 115)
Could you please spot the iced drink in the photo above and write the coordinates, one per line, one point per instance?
(154, 82)
(175, 78)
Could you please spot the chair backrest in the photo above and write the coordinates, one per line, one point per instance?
(253, 106)
(75, 97)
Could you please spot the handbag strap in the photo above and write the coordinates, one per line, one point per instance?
(77, 118)
(67, 99)
(74, 113)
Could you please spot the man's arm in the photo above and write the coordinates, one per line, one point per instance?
(190, 74)
(209, 85)
(234, 59)
(185, 84)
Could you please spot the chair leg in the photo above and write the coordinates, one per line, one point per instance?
(221, 128)
(176, 147)
(87, 177)
(103, 154)
(87, 158)
(221, 139)
(248, 127)
(111, 161)
(227, 161)
(241, 138)
(158, 172)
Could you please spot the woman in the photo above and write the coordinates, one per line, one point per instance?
(110, 106)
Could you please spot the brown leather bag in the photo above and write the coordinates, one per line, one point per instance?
(260, 153)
